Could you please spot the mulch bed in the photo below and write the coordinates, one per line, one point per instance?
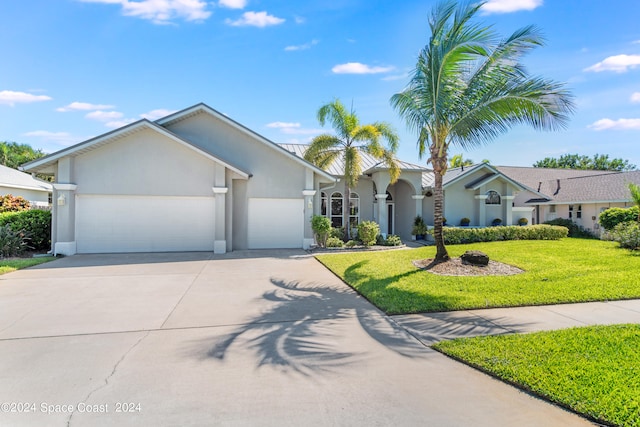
(456, 267)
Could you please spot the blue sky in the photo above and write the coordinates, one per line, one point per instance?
(74, 69)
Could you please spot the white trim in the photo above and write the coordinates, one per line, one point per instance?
(26, 187)
(417, 196)
(382, 196)
(508, 197)
(309, 192)
(220, 190)
(481, 197)
(64, 248)
(64, 187)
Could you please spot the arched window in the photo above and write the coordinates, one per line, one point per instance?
(332, 208)
(354, 209)
(493, 198)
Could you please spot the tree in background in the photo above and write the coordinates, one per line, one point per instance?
(350, 137)
(13, 154)
(468, 87)
(457, 161)
(576, 161)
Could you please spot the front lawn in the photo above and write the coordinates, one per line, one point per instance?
(13, 264)
(594, 371)
(557, 271)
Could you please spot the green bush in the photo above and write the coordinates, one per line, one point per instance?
(392, 240)
(338, 233)
(614, 216)
(11, 203)
(367, 232)
(627, 234)
(419, 227)
(321, 226)
(496, 222)
(334, 242)
(523, 221)
(455, 235)
(351, 243)
(12, 242)
(465, 221)
(35, 223)
(575, 230)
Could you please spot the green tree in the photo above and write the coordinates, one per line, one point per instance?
(457, 161)
(13, 154)
(467, 88)
(577, 161)
(346, 144)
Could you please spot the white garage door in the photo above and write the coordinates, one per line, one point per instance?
(276, 223)
(144, 224)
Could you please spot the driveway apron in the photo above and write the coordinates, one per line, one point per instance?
(256, 338)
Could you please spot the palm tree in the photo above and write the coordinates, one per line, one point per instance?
(467, 88)
(457, 161)
(350, 138)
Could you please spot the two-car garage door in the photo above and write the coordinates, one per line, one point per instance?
(144, 224)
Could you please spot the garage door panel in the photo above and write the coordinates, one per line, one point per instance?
(275, 223)
(144, 224)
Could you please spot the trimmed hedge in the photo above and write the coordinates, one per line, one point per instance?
(455, 236)
(575, 230)
(35, 223)
(614, 216)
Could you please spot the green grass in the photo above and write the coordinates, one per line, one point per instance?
(594, 371)
(558, 271)
(7, 266)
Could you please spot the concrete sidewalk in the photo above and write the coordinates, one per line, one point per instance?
(430, 328)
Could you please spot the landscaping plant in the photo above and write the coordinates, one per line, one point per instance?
(321, 226)
(367, 232)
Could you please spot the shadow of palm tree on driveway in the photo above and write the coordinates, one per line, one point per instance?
(304, 330)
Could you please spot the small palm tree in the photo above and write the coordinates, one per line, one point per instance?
(467, 88)
(349, 139)
(457, 161)
(634, 189)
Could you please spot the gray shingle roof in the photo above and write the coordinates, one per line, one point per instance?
(575, 186)
(369, 163)
(14, 178)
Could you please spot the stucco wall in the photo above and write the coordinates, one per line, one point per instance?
(29, 195)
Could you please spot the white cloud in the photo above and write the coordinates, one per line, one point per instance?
(157, 114)
(255, 19)
(394, 77)
(119, 123)
(9, 97)
(62, 138)
(620, 124)
(635, 42)
(281, 125)
(358, 68)
(300, 20)
(616, 63)
(290, 128)
(83, 106)
(233, 4)
(635, 97)
(104, 116)
(301, 46)
(508, 6)
(161, 11)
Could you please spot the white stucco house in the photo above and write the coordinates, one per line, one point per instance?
(16, 183)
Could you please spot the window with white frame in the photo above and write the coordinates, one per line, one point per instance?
(331, 207)
(493, 198)
(354, 210)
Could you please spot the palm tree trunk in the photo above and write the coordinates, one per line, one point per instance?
(346, 211)
(438, 201)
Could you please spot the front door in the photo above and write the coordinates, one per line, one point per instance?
(391, 221)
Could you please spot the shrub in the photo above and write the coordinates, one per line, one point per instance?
(614, 216)
(338, 233)
(575, 230)
(334, 242)
(35, 223)
(523, 221)
(351, 243)
(12, 242)
(419, 227)
(10, 203)
(321, 226)
(454, 235)
(392, 240)
(496, 222)
(465, 221)
(367, 232)
(627, 234)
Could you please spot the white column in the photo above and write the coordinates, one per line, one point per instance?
(418, 198)
(508, 209)
(308, 238)
(382, 212)
(482, 209)
(65, 212)
(220, 242)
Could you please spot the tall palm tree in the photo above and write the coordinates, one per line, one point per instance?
(468, 87)
(350, 137)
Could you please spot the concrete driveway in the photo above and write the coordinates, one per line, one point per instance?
(248, 338)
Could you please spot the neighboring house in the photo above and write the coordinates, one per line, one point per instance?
(578, 195)
(192, 181)
(16, 183)
(480, 193)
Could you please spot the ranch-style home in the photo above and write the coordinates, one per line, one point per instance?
(196, 180)
(16, 183)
